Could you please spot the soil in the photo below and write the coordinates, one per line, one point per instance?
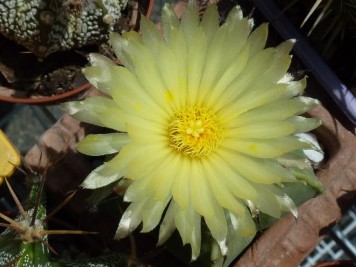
(59, 72)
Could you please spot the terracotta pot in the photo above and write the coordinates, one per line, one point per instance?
(290, 240)
(341, 263)
(19, 96)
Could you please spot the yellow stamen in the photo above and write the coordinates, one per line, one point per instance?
(195, 132)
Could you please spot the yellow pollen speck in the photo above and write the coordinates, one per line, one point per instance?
(169, 96)
(253, 148)
(195, 132)
(138, 107)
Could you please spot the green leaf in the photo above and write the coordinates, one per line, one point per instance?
(308, 176)
(101, 193)
(235, 242)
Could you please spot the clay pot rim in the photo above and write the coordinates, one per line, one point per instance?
(335, 263)
(44, 99)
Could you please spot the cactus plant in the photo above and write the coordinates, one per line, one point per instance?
(44, 27)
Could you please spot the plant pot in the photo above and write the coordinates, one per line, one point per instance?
(25, 79)
(341, 263)
(20, 97)
(290, 240)
(80, 85)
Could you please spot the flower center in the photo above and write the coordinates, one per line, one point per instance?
(195, 132)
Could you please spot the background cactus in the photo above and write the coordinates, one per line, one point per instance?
(45, 27)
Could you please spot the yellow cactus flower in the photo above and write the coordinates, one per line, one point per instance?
(201, 115)
(9, 157)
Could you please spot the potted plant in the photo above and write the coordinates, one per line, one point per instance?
(41, 62)
(60, 141)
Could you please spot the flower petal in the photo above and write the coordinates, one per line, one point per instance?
(101, 144)
(295, 88)
(102, 176)
(131, 218)
(265, 148)
(188, 223)
(190, 21)
(315, 154)
(120, 46)
(196, 62)
(125, 156)
(267, 201)
(150, 34)
(258, 38)
(137, 191)
(264, 171)
(308, 102)
(98, 74)
(247, 78)
(238, 185)
(234, 33)
(263, 130)
(151, 80)
(113, 119)
(244, 225)
(98, 60)
(222, 193)
(201, 197)
(277, 110)
(285, 202)
(256, 96)
(210, 21)
(280, 63)
(168, 224)
(215, 91)
(179, 48)
(152, 213)
(304, 124)
(92, 110)
(146, 159)
(131, 97)
(225, 51)
(168, 69)
(217, 224)
(169, 21)
(98, 77)
(145, 132)
(162, 178)
(179, 188)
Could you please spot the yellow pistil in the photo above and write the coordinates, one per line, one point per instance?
(195, 132)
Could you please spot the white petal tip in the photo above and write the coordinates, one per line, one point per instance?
(295, 213)
(223, 247)
(120, 234)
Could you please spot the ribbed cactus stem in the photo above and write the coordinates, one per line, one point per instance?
(45, 27)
